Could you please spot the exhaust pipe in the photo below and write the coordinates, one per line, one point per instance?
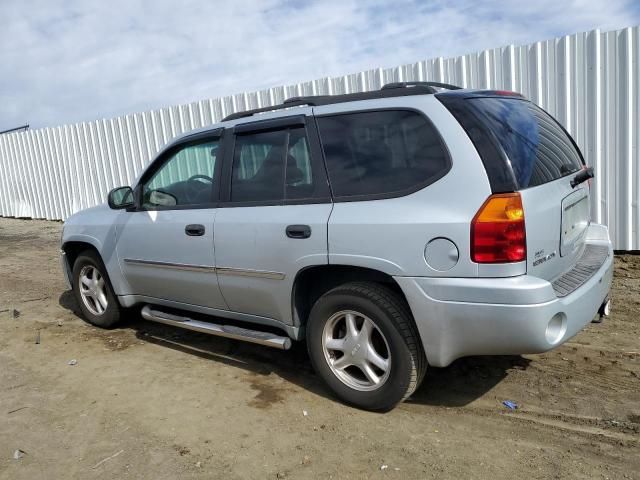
(603, 311)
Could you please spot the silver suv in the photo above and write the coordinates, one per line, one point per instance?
(391, 230)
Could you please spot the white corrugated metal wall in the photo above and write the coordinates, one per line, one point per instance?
(588, 81)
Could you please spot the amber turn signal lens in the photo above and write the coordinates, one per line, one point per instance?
(498, 231)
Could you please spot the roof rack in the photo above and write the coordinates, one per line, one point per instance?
(399, 89)
(248, 113)
(446, 86)
(24, 128)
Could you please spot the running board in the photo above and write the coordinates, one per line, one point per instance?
(229, 331)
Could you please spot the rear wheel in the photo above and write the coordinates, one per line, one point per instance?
(362, 342)
(93, 291)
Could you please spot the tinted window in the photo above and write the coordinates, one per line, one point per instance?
(258, 167)
(384, 152)
(259, 173)
(299, 176)
(537, 147)
(185, 178)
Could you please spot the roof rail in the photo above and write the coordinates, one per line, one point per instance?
(388, 91)
(24, 128)
(431, 85)
(248, 113)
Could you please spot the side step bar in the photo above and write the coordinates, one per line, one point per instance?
(229, 331)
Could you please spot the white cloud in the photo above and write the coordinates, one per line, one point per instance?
(69, 61)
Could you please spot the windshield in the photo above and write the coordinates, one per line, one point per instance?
(537, 147)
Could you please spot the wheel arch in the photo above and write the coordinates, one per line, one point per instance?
(314, 281)
(73, 248)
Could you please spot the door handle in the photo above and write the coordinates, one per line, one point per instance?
(298, 231)
(194, 230)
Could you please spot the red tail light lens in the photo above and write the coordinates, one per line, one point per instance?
(497, 231)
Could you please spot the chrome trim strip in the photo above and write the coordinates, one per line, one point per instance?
(238, 272)
(175, 266)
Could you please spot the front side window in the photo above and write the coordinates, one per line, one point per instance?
(186, 177)
(381, 152)
(272, 166)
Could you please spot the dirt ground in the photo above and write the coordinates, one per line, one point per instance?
(146, 401)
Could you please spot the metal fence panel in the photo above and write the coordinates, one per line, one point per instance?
(588, 81)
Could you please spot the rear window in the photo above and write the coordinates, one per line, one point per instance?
(381, 153)
(538, 149)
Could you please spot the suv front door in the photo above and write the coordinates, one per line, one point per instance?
(273, 222)
(165, 247)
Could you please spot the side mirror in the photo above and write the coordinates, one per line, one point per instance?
(121, 197)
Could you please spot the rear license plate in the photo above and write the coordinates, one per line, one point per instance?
(575, 220)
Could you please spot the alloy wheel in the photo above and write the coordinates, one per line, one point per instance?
(92, 290)
(356, 350)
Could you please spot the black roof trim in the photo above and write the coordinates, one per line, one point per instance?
(401, 89)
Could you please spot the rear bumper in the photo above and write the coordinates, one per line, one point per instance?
(459, 317)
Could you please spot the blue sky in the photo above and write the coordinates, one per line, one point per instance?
(77, 60)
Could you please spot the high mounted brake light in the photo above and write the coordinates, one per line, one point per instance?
(498, 231)
(507, 93)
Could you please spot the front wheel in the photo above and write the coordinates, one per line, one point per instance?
(362, 342)
(93, 291)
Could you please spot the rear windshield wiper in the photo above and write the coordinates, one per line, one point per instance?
(583, 176)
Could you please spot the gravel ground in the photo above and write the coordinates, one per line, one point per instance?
(146, 401)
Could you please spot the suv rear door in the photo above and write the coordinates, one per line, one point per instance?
(532, 154)
(273, 221)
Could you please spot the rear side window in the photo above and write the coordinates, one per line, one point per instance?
(272, 166)
(258, 167)
(381, 153)
(298, 174)
(538, 149)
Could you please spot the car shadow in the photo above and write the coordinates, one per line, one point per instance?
(465, 380)
(68, 302)
(292, 365)
(457, 385)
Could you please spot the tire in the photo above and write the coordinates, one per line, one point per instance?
(390, 330)
(93, 310)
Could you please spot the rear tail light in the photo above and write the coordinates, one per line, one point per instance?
(498, 232)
